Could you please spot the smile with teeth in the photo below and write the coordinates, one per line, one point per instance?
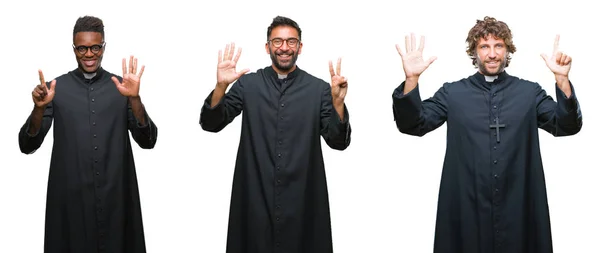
(89, 63)
(492, 63)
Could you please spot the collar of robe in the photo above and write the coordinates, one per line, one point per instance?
(480, 80)
(99, 73)
(271, 72)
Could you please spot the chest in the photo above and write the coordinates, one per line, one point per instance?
(298, 99)
(75, 101)
(477, 109)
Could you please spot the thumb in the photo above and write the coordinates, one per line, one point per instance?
(52, 85)
(544, 56)
(242, 72)
(115, 80)
(431, 60)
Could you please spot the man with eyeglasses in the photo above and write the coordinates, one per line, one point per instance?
(93, 202)
(279, 200)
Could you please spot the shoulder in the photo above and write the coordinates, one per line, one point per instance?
(455, 85)
(525, 85)
(310, 79)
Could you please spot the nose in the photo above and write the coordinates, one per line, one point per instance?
(284, 45)
(88, 53)
(493, 53)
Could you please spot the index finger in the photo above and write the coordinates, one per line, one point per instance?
(422, 43)
(556, 43)
(237, 56)
(331, 69)
(124, 66)
(41, 75)
(339, 66)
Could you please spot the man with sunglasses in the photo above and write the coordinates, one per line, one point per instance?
(93, 201)
(279, 201)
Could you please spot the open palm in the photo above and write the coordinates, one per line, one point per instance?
(130, 87)
(226, 73)
(412, 61)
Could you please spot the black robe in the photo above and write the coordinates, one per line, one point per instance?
(279, 199)
(492, 195)
(93, 203)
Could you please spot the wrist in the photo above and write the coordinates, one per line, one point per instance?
(338, 102)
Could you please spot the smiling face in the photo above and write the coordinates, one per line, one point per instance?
(491, 55)
(284, 46)
(89, 59)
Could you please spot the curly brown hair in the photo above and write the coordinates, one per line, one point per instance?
(482, 29)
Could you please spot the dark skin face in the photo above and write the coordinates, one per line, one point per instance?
(88, 62)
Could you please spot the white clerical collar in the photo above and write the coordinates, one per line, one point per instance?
(89, 75)
(490, 78)
(280, 76)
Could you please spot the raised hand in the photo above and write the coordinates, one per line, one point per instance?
(130, 87)
(41, 94)
(412, 60)
(339, 84)
(559, 63)
(226, 73)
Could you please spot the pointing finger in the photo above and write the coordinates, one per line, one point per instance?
(41, 75)
(339, 67)
(556, 43)
(331, 72)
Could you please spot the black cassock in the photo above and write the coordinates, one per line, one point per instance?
(279, 200)
(93, 201)
(492, 193)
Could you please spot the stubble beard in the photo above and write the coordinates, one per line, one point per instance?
(280, 66)
(484, 70)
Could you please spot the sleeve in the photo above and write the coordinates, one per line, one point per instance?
(214, 119)
(416, 117)
(29, 143)
(336, 132)
(144, 135)
(560, 118)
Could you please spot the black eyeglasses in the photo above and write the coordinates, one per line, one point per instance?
(95, 48)
(291, 42)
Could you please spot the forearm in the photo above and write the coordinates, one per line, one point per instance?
(36, 120)
(137, 109)
(339, 108)
(410, 84)
(338, 131)
(217, 95)
(563, 83)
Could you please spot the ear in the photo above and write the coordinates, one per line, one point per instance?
(267, 48)
(300, 48)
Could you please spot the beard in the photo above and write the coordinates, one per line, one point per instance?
(486, 72)
(283, 66)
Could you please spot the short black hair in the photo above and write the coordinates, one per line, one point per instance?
(88, 24)
(283, 21)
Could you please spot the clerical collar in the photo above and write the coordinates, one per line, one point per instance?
(89, 75)
(280, 76)
(490, 79)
